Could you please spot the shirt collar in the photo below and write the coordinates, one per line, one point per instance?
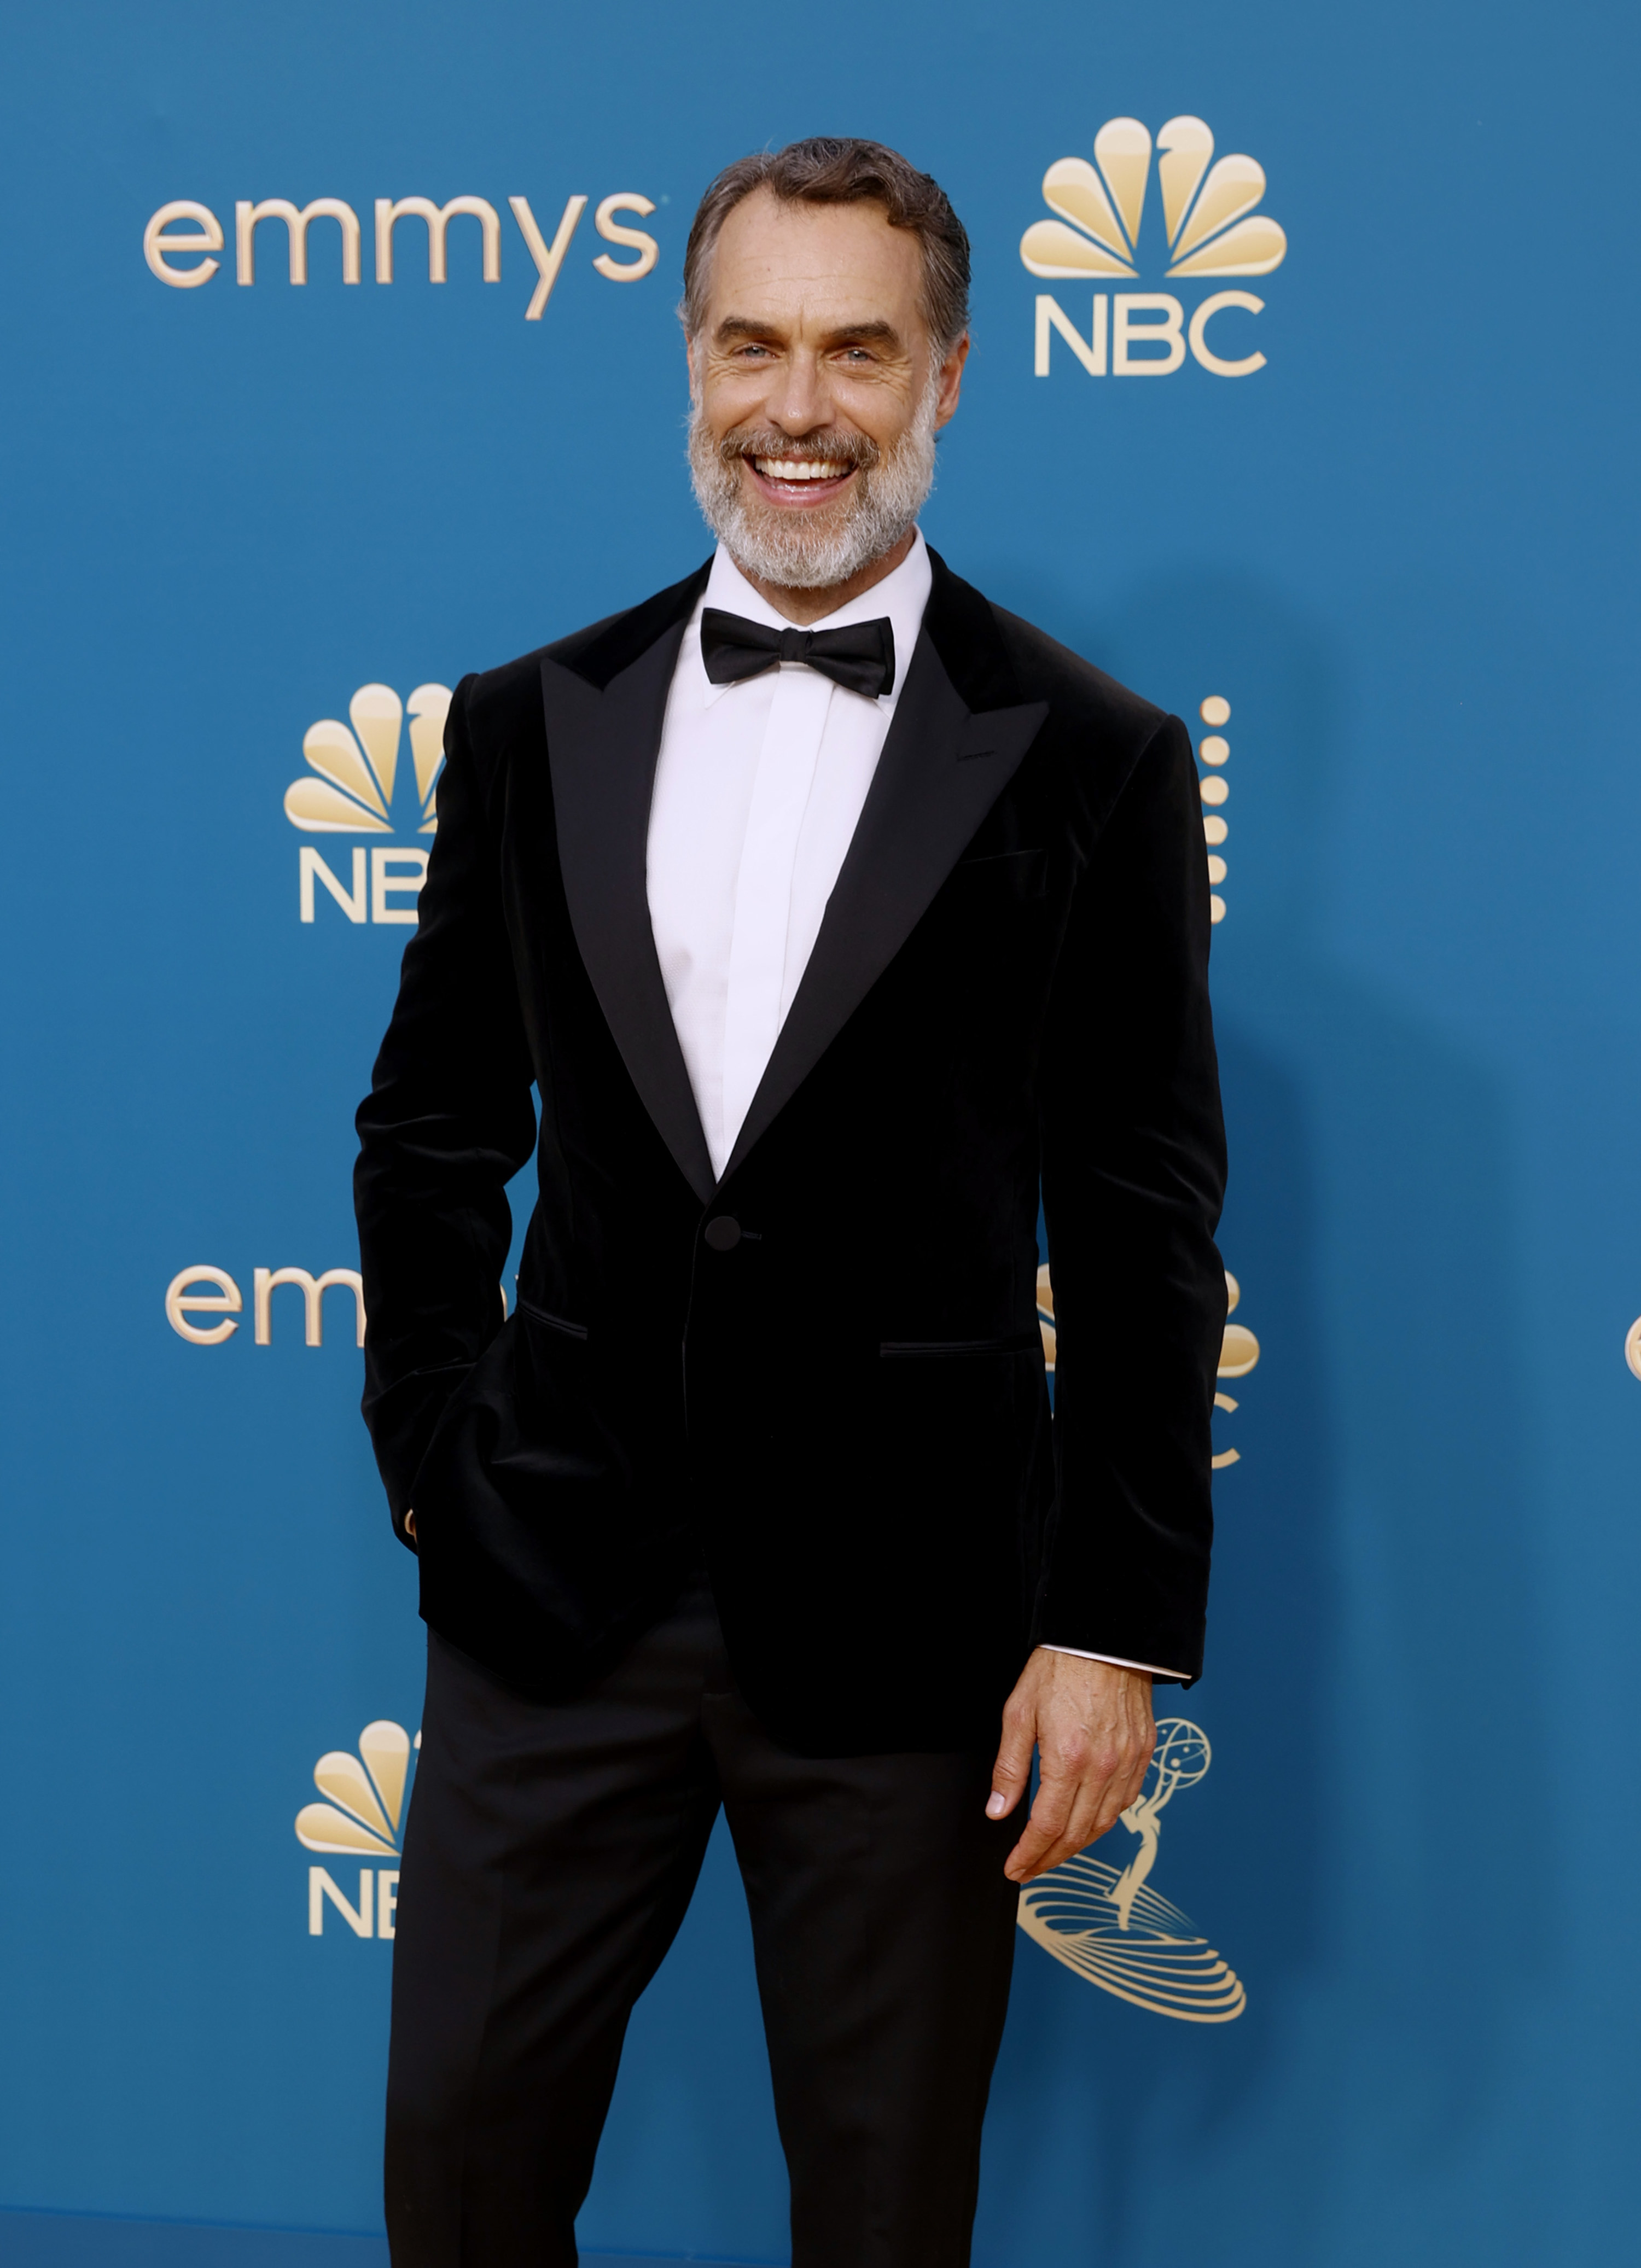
(903, 596)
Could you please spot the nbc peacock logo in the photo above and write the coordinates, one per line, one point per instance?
(353, 786)
(1238, 1349)
(1210, 229)
(365, 1802)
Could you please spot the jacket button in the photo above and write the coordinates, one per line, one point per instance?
(724, 1233)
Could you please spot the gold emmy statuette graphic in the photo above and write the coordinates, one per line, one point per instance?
(366, 1794)
(353, 791)
(1207, 210)
(1110, 1926)
(1238, 1350)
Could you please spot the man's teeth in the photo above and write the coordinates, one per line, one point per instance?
(799, 469)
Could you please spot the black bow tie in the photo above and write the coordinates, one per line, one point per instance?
(861, 656)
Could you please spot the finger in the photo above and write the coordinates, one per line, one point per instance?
(1031, 1855)
(1135, 1786)
(1104, 1789)
(1010, 1774)
(1100, 1815)
(1127, 1784)
(1112, 1791)
(1094, 1811)
(1081, 1828)
(1043, 1831)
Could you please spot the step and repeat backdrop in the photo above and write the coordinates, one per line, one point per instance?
(340, 359)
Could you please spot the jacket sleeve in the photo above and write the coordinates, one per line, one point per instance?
(447, 1123)
(1133, 1173)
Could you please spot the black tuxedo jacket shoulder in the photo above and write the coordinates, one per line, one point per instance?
(824, 1372)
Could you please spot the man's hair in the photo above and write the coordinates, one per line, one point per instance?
(829, 170)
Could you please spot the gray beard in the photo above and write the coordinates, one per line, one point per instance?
(812, 550)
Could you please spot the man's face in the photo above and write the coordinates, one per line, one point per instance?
(818, 389)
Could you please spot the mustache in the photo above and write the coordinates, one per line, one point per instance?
(853, 449)
(811, 550)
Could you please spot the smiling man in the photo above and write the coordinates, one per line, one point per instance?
(838, 918)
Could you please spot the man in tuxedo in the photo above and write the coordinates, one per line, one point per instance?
(833, 914)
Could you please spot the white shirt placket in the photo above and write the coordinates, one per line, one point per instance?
(764, 887)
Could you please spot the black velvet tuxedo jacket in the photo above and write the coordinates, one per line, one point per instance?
(822, 1374)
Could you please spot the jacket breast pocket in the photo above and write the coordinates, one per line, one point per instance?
(1019, 876)
(1011, 1343)
(551, 1379)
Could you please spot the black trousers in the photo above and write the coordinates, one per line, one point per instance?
(549, 1856)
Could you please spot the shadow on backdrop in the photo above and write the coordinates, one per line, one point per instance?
(1354, 1851)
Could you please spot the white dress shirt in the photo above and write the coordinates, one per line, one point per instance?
(758, 791)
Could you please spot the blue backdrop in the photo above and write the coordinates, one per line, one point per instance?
(1403, 551)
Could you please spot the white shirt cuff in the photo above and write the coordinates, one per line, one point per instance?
(1115, 1660)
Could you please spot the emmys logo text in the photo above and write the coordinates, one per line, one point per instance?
(1211, 230)
(205, 1291)
(182, 240)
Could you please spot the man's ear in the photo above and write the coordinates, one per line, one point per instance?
(950, 382)
(689, 364)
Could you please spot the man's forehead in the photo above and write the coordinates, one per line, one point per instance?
(837, 263)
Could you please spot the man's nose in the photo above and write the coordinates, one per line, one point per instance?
(800, 403)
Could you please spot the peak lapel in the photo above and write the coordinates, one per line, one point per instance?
(941, 770)
(602, 746)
